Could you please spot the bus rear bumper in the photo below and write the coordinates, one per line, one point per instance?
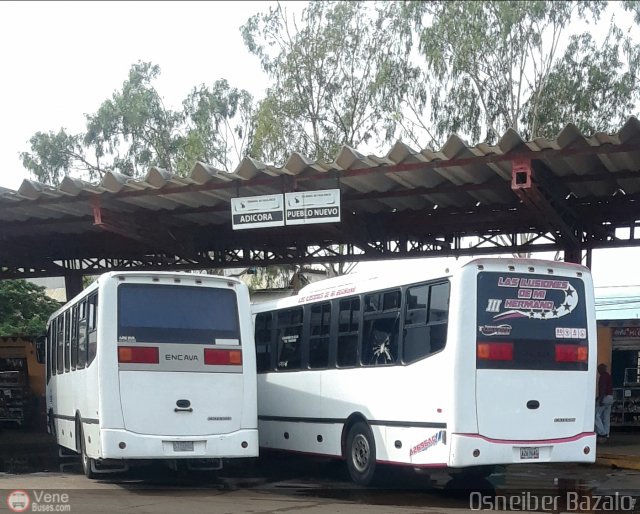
(477, 450)
(121, 444)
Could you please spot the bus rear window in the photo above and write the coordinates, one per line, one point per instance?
(531, 322)
(176, 314)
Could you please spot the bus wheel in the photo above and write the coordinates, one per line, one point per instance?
(361, 453)
(87, 462)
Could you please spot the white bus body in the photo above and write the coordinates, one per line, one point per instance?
(153, 366)
(491, 364)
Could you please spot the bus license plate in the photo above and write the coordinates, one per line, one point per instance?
(182, 446)
(530, 453)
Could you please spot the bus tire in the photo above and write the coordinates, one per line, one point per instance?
(473, 472)
(361, 453)
(87, 462)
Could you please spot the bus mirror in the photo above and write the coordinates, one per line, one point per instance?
(41, 341)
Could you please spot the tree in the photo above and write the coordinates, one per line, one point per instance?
(337, 77)
(219, 125)
(24, 308)
(134, 130)
(497, 65)
(135, 127)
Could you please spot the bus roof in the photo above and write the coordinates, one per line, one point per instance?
(354, 283)
(165, 274)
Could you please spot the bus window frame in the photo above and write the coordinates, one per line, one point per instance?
(74, 337)
(67, 341)
(92, 327)
(51, 337)
(374, 316)
(269, 343)
(60, 344)
(82, 333)
(349, 333)
(427, 323)
(280, 345)
(308, 337)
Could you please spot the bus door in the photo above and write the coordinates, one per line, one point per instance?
(180, 359)
(532, 356)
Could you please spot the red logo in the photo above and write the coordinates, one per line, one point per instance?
(18, 501)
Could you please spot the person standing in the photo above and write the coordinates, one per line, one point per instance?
(604, 403)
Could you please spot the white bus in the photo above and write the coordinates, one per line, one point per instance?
(491, 364)
(159, 365)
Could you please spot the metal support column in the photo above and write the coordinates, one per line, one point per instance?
(73, 285)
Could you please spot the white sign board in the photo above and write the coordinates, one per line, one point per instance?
(257, 211)
(312, 207)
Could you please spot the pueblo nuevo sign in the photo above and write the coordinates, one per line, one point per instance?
(299, 208)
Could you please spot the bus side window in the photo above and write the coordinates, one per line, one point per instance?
(289, 330)
(320, 323)
(348, 329)
(82, 334)
(381, 330)
(60, 345)
(50, 332)
(425, 321)
(74, 337)
(263, 341)
(67, 340)
(92, 332)
(439, 315)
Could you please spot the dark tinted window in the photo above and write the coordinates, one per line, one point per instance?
(381, 328)
(51, 347)
(176, 314)
(348, 329)
(74, 337)
(289, 338)
(67, 339)
(264, 341)
(82, 334)
(92, 327)
(425, 321)
(60, 344)
(319, 327)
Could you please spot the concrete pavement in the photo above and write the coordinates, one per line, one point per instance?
(622, 450)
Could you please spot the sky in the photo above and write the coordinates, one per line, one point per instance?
(60, 60)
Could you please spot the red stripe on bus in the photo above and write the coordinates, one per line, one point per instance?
(533, 441)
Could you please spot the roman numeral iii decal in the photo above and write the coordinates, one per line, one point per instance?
(493, 305)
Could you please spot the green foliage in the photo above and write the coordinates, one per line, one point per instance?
(337, 76)
(134, 130)
(495, 65)
(589, 87)
(134, 126)
(219, 124)
(24, 308)
(54, 155)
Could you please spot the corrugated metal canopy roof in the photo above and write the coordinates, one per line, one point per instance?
(575, 188)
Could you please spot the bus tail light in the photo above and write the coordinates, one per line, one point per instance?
(495, 351)
(138, 354)
(222, 357)
(571, 353)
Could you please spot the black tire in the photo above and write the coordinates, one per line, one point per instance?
(361, 453)
(87, 461)
(473, 472)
